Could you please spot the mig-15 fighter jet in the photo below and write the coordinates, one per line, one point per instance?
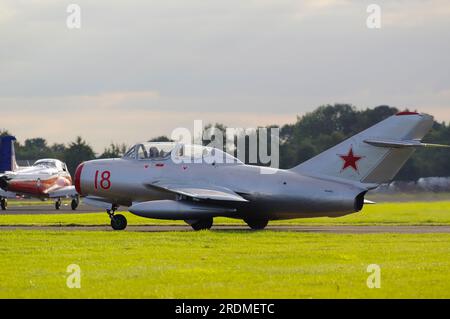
(175, 181)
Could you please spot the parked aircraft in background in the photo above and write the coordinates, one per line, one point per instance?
(46, 178)
(166, 180)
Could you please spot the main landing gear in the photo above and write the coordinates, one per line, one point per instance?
(118, 222)
(75, 202)
(257, 224)
(202, 224)
(4, 203)
(206, 223)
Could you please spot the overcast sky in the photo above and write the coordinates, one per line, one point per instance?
(138, 69)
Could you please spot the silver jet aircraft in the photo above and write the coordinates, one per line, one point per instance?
(185, 182)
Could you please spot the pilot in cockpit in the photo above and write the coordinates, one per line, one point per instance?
(153, 152)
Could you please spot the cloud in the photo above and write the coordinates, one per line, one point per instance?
(136, 69)
(132, 116)
(106, 101)
(415, 13)
(6, 13)
(114, 117)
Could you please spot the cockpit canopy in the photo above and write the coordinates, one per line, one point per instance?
(51, 163)
(165, 150)
(154, 151)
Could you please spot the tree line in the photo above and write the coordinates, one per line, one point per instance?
(310, 135)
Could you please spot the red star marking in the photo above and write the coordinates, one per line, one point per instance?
(350, 160)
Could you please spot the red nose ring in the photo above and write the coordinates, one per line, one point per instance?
(78, 178)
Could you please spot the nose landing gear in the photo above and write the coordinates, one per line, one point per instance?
(4, 203)
(118, 222)
(58, 204)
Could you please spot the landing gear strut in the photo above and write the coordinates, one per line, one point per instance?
(58, 204)
(257, 224)
(202, 224)
(118, 222)
(4, 203)
(75, 203)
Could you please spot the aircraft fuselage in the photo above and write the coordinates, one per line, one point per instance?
(276, 193)
(36, 181)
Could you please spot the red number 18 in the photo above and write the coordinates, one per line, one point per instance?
(105, 181)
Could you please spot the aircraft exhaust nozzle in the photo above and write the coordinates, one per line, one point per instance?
(172, 209)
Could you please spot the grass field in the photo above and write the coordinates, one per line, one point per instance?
(228, 264)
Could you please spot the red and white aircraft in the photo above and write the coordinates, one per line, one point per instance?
(46, 178)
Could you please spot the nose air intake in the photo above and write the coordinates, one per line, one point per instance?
(77, 178)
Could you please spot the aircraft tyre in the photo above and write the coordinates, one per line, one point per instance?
(4, 203)
(118, 222)
(257, 224)
(58, 204)
(74, 203)
(202, 224)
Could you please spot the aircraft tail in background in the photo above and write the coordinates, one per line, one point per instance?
(7, 154)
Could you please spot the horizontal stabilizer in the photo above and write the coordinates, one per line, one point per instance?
(401, 143)
(68, 191)
(5, 194)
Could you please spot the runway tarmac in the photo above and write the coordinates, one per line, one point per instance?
(47, 209)
(336, 229)
(341, 229)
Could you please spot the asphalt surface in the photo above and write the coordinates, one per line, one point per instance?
(340, 229)
(46, 209)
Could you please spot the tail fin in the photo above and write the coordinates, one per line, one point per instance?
(7, 154)
(375, 155)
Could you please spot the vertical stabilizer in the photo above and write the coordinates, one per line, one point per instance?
(374, 155)
(7, 154)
